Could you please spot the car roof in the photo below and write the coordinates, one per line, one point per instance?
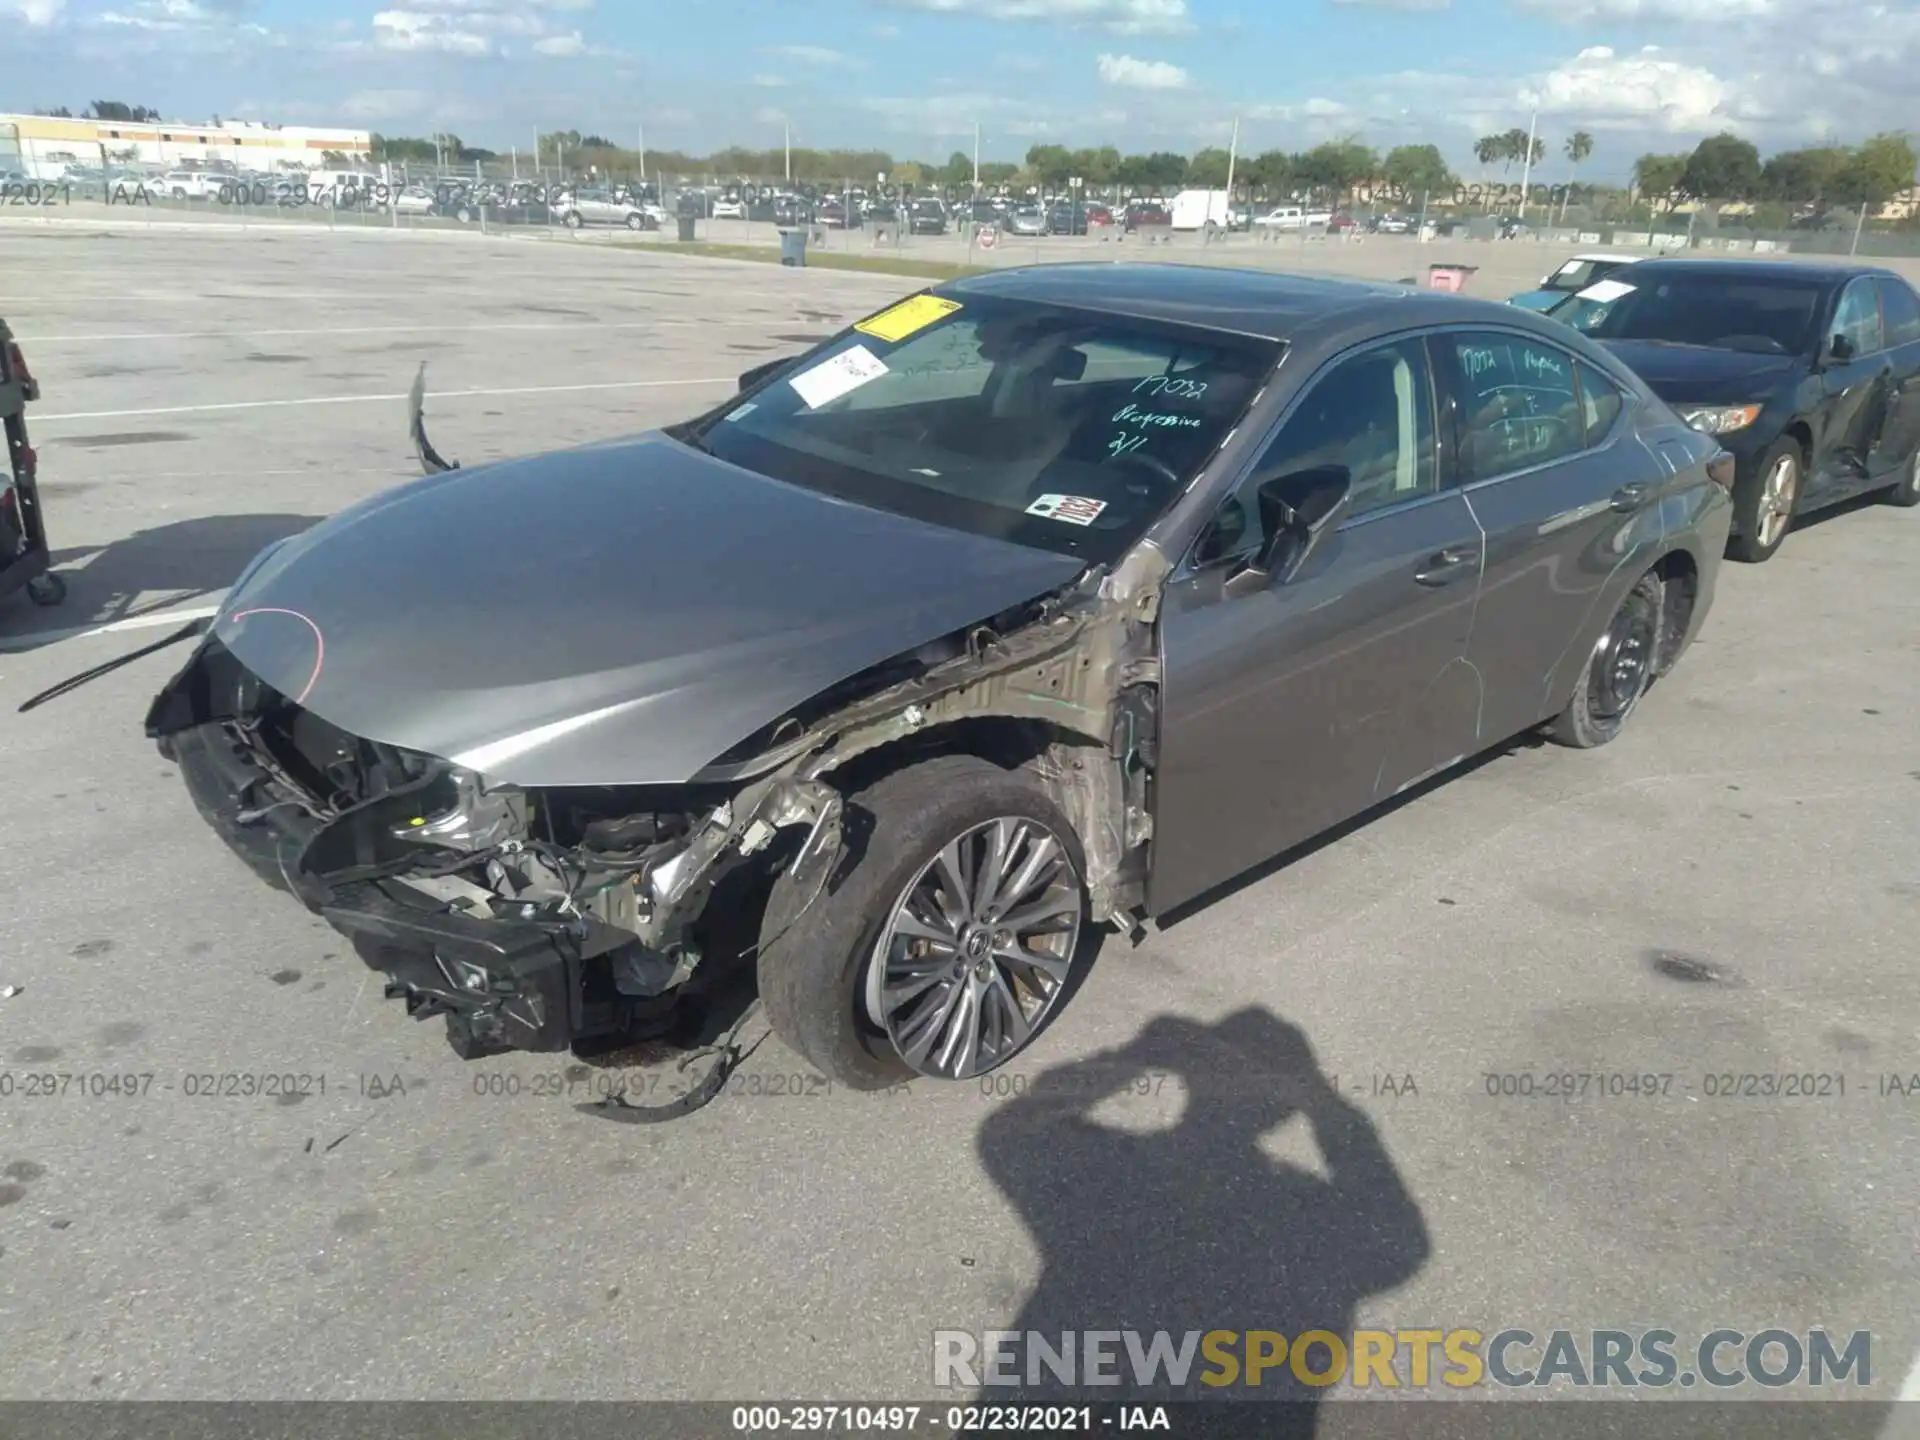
(1820, 271)
(1266, 304)
(1589, 256)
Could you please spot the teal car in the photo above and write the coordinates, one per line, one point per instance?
(1576, 275)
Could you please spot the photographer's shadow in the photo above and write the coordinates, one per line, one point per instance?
(1196, 1228)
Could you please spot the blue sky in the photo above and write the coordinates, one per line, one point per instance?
(914, 76)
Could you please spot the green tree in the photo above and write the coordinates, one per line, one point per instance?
(1578, 148)
(1335, 168)
(1722, 167)
(1416, 170)
(1804, 176)
(1489, 149)
(1270, 174)
(1659, 177)
(997, 172)
(1208, 168)
(908, 172)
(1878, 170)
(958, 170)
(1051, 164)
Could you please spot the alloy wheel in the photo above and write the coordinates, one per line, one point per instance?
(1622, 664)
(976, 951)
(1777, 493)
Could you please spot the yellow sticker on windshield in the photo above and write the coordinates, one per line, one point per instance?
(899, 321)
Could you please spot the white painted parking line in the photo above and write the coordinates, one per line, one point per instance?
(30, 341)
(436, 396)
(32, 638)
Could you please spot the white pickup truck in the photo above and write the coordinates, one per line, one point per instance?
(193, 184)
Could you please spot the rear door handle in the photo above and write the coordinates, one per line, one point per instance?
(1629, 498)
(1446, 567)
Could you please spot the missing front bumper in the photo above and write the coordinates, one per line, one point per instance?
(502, 984)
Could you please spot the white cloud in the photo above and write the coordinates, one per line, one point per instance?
(1118, 17)
(943, 115)
(178, 15)
(769, 82)
(35, 12)
(818, 55)
(1132, 74)
(886, 32)
(1651, 12)
(384, 104)
(1645, 90)
(1405, 5)
(412, 30)
(473, 27)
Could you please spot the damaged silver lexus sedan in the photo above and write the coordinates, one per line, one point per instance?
(1041, 601)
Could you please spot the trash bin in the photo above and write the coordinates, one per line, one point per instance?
(793, 247)
(686, 226)
(1451, 278)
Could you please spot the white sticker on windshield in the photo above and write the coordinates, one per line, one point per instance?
(1074, 509)
(837, 376)
(1604, 291)
(743, 411)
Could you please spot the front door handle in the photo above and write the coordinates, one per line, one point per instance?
(1629, 498)
(1446, 567)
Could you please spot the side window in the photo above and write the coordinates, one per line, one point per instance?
(1600, 402)
(1902, 309)
(1519, 406)
(1858, 317)
(1371, 414)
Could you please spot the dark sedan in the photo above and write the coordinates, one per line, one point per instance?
(1059, 600)
(1808, 373)
(927, 217)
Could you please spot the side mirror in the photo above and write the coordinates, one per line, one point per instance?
(1840, 349)
(1295, 509)
(751, 378)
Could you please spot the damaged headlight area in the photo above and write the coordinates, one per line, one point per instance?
(532, 919)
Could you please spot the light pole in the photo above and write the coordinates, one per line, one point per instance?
(1526, 169)
(786, 131)
(1233, 154)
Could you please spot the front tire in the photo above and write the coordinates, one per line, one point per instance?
(572, 220)
(1906, 492)
(1764, 506)
(1618, 672)
(944, 944)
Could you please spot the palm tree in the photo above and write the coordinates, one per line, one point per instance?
(1488, 148)
(1579, 146)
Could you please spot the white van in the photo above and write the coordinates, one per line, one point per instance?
(1196, 209)
(344, 187)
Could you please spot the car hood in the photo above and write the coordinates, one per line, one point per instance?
(1696, 374)
(617, 614)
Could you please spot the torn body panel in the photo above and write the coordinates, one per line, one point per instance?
(532, 917)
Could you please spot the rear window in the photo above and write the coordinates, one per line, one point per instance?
(1060, 429)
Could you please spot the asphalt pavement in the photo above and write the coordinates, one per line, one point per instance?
(1728, 891)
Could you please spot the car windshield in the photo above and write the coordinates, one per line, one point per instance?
(1061, 429)
(1579, 274)
(1717, 310)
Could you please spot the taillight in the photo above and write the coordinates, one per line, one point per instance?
(1720, 470)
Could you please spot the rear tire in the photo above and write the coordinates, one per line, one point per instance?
(1906, 492)
(1618, 673)
(1759, 523)
(819, 941)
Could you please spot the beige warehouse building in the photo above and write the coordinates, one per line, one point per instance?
(40, 145)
